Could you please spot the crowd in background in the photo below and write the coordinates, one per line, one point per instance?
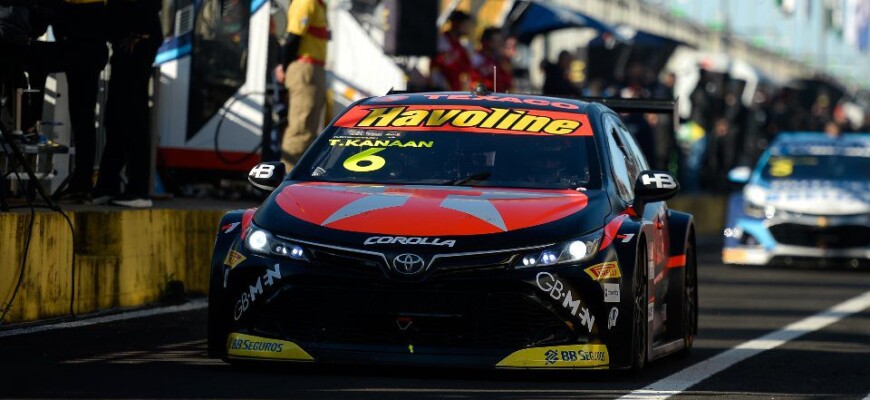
(720, 132)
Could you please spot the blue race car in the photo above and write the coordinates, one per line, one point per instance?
(807, 202)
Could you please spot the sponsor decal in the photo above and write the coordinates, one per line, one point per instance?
(611, 292)
(256, 345)
(390, 98)
(554, 356)
(551, 356)
(610, 230)
(254, 291)
(625, 238)
(412, 211)
(569, 356)
(409, 264)
(262, 171)
(504, 99)
(380, 143)
(412, 240)
(662, 181)
(234, 258)
(607, 270)
(230, 227)
(611, 318)
(557, 291)
(240, 345)
(466, 118)
(651, 309)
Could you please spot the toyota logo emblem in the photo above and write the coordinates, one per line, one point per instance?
(408, 264)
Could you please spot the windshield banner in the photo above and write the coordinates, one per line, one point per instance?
(463, 118)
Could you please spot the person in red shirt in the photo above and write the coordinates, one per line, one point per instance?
(451, 68)
(490, 66)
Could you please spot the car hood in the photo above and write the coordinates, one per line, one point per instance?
(816, 197)
(473, 218)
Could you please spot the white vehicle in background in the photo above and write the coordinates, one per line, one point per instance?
(212, 97)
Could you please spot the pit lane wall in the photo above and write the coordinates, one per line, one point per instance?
(127, 258)
(124, 258)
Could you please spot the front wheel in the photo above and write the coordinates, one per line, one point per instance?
(218, 316)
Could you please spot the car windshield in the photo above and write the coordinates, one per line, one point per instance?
(818, 167)
(445, 157)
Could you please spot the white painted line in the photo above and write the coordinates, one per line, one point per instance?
(684, 379)
(867, 397)
(190, 306)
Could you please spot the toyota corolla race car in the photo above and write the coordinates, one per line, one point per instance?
(454, 229)
(807, 201)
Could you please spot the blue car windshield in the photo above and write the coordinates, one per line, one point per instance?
(817, 167)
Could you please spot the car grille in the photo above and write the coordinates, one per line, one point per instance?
(477, 262)
(347, 261)
(374, 263)
(348, 314)
(831, 237)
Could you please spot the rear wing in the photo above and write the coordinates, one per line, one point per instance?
(619, 105)
(633, 106)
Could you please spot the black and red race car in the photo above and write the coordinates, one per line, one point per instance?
(491, 230)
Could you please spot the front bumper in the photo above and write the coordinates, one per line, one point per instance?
(580, 356)
(816, 240)
(485, 316)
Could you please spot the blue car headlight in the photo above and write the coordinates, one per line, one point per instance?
(262, 242)
(572, 251)
(759, 211)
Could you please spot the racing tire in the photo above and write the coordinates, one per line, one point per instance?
(682, 321)
(689, 304)
(218, 316)
(640, 327)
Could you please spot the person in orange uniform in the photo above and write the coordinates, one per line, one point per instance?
(451, 68)
(490, 66)
(303, 74)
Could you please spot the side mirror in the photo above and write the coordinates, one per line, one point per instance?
(740, 174)
(654, 186)
(267, 176)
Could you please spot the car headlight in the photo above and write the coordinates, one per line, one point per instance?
(759, 211)
(754, 197)
(263, 242)
(753, 210)
(575, 250)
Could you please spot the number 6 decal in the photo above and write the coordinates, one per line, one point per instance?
(365, 161)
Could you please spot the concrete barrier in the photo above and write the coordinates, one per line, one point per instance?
(126, 258)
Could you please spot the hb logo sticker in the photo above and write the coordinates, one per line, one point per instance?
(263, 171)
(662, 181)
